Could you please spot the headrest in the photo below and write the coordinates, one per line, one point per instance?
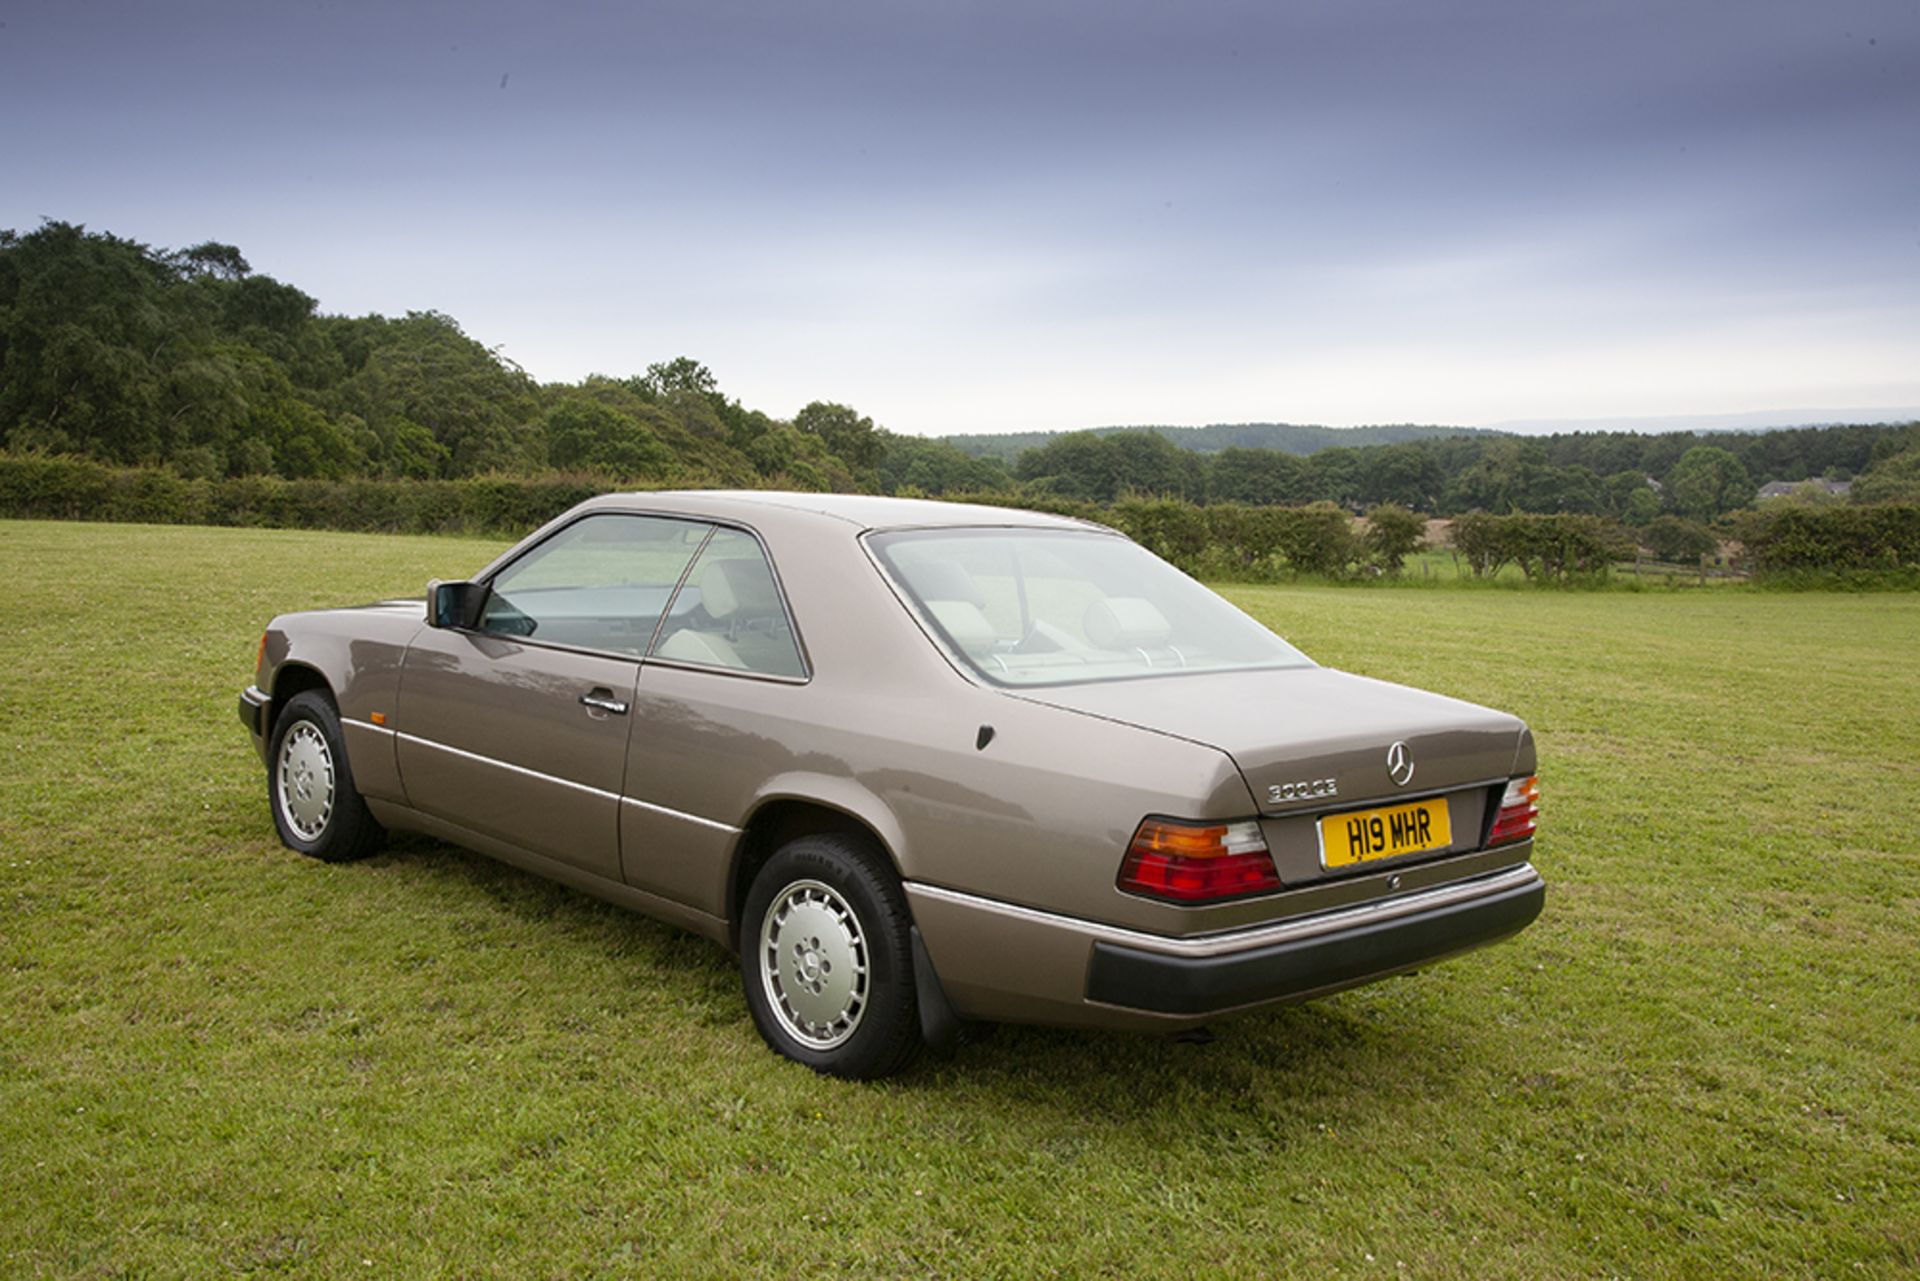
(933, 580)
(964, 624)
(1126, 622)
(738, 588)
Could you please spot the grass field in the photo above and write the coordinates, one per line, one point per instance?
(220, 1059)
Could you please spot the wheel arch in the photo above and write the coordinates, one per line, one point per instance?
(293, 678)
(788, 814)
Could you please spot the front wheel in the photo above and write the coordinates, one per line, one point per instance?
(826, 959)
(316, 808)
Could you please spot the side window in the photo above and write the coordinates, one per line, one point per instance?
(600, 583)
(729, 613)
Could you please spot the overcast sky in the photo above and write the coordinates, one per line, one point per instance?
(986, 217)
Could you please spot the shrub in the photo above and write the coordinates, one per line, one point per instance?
(64, 488)
(1675, 539)
(1393, 534)
(1318, 539)
(1786, 538)
(1175, 531)
(1557, 547)
(1484, 540)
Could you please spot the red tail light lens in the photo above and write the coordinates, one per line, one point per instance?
(1519, 812)
(1197, 862)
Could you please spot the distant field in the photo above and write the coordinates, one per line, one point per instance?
(220, 1059)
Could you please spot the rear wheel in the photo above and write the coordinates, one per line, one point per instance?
(316, 808)
(826, 959)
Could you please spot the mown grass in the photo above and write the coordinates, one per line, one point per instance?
(217, 1058)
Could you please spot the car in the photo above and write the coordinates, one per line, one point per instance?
(916, 762)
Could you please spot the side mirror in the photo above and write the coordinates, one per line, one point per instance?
(454, 604)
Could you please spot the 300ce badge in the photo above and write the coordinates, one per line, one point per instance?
(1306, 789)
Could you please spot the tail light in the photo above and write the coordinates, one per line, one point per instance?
(1197, 862)
(1519, 812)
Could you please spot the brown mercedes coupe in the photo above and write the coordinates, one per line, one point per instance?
(916, 762)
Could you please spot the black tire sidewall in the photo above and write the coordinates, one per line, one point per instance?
(889, 1030)
(340, 838)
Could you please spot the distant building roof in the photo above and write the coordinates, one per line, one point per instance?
(1782, 488)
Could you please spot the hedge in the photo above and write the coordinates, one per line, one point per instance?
(1557, 547)
(64, 488)
(1792, 539)
(1222, 540)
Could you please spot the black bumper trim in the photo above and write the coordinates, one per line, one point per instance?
(253, 710)
(1142, 980)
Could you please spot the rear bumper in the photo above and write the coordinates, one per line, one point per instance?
(1352, 951)
(253, 714)
(1003, 961)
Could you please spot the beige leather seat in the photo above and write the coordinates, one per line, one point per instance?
(1126, 622)
(751, 632)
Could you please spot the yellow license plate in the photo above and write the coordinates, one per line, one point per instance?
(1365, 835)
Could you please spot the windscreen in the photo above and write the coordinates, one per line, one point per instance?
(1056, 607)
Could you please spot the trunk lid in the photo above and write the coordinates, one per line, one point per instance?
(1312, 739)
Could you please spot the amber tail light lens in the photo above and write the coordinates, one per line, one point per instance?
(1519, 812)
(1197, 862)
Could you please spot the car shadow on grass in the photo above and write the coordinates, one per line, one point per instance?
(1387, 1035)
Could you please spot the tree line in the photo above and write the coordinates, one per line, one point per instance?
(1628, 477)
(189, 360)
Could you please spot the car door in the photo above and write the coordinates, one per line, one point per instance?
(724, 691)
(517, 728)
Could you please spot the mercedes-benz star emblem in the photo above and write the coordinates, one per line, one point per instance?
(1400, 764)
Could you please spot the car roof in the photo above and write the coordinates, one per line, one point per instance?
(866, 511)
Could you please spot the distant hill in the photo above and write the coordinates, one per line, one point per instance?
(1753, 421)
(1290, 438)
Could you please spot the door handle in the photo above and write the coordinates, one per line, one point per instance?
(603, 701)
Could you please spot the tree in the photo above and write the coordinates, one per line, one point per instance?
(211, 258)
(1642, 506)
(1894, 479)
(1145, 462)
(424, 373)
(681, 374)
(1406, 476)
(586, 434)
(86, 336)
(1076, 465)
(848, 434)
(1261, 477)
(1393, 534)
(795, 459)
(935, 467)
(1333, 475)
(1619, 489)
(1708, 482)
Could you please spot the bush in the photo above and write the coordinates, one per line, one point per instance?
(1172, 530)
(1484, 540)
(1672, 538)
(1789, 539)
(1555, 548)
(1393, 534)
(1787, 542)
(1318, 539)
(1244, 542)
(62, 488)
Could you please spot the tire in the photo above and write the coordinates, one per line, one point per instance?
(316, 808)
(840, 998)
